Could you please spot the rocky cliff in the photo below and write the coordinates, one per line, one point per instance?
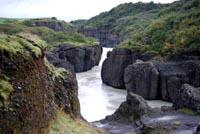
(116, 62)
(75, 58)
(31, 89)
(153, 79)
(51, 23)
(106, 36)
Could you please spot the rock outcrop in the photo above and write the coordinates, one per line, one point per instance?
(151, 80)
(31, 89)
(133, 109)
(112, 72)
(106, 36)
(142, 79)
(187, 97)
(74, 58)
(173, 74)
(113, 67)
(54, 24)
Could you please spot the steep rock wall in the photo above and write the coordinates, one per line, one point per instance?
(31, 90)
(74, 58)
(106, 36)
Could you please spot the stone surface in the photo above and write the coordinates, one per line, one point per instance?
(113, 67)
(173, 74)
(112, 72)
(74, 58)
(142, 79)
(50, 23)
(37, 93)
(106, 36)
(187, 97)
(133, 109)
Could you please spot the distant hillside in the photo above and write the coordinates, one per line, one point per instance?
(121, 22)
(51, 30)
(176, 28)
(161, 29)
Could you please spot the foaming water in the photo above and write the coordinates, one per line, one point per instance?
(97, 99)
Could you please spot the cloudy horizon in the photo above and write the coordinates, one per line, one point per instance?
(62, 9)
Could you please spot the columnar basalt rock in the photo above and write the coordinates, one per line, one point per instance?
(74, 58)
(112, 72)
(152, 79)
(106, 36)
(187, 97)
(142, 79)
(173, 74)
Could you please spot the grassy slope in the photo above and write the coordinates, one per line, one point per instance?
(9, 20)
(14, 44)
(168, 28)
(126, 19)
(50, 36)
(64, 124)
(176, 28)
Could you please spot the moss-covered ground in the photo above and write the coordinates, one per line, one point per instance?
(64, 124)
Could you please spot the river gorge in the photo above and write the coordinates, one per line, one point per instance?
(97, 99)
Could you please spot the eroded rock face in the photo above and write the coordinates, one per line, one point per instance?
(50, 23)
(142, 79)
(74, 58)
(174, 74)
(30, 107)
(36, 92)
(107, 36)
(188, 97)
(113, 67)
(133, 109)
(112, 72)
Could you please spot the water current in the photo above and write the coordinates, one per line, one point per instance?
(97, 99)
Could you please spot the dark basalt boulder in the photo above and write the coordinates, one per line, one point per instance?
(74, 58)
(113, 67)
(142, 79)
(112, 72)
(133, 109)
(198, 129)
(59, 61)
(161, 80)
(187, 97)
(173, 74)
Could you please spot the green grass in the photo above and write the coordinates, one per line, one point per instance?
(5, 90)
(177, 123)
(125, 19)
(51, 37)
(187, 111)
(14, 44)
(176, 28)
(10, 20)
(64, 124)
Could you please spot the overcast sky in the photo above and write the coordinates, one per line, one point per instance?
(63, 9)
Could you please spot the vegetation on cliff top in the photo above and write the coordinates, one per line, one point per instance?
(47, 34)
(15, 44)
(162, 29)
(124, 19)
(176, 28)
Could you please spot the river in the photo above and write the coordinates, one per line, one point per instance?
(97, 99)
